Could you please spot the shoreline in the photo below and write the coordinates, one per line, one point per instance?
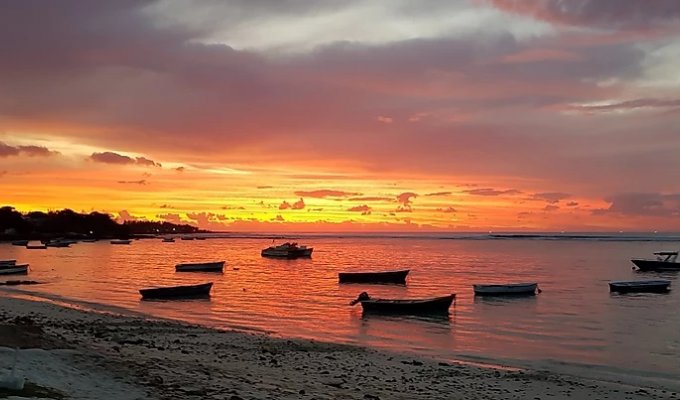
(159, 358)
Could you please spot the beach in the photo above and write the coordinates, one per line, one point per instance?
(84, 354)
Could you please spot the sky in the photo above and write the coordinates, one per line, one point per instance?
(380, 115)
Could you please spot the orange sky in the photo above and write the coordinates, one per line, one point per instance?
(469, 116)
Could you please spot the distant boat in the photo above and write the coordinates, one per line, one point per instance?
(398, 277)
(7, 262)
(36, 246)
(58, 243)
(651, 286)
(187, 238)
(287, 250)
(506, 289)
(11, 269)
(168, 240)
(432, 305)
(665, 261)
(214, 266)
(121, 241)
(20, 243)
(177, 292)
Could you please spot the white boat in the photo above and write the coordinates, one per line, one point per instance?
(13, 269)
(213, 266)
(506, 289)
(287, 250)
(38, 246)
(121, 241)
(7, 262)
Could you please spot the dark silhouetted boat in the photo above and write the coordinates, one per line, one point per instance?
(665, 261)
(432, 305)
(510, 289)
(187, 238)
(12, 269)
(398, 277)
(177, 292)
(7, 263)
(121, 241)
(651, 286)
(213, 266)
(287, 250)
(36, 246)
(58, 243)
(20, 243)
(168, 240)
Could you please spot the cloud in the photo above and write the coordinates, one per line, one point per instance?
(371, 198)
(437, 194)
(165, 206)
(30, 151)
(385, 120)
(230, 207)
(551, 207)
(265, 187)
(125, 216)
(323, 193)
(572, 204)
(172, 218)
(402, 209)
(448, 210)
(139, 182)
(629, 105)
(279, 218)
(363, 209)
(298, 205)
(643, 204)
(491, 192)
(180, 169)
(550, 197)
(405, 198)
(109, 157)
(612, 14)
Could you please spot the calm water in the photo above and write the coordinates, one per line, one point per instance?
(574, 320)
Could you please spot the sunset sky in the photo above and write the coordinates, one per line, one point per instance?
(363, 115)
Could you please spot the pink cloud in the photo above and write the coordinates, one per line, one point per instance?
(323, 193)
(139, 182)
(363, 209)
(298, 205)
(491, 192)
(30, 151)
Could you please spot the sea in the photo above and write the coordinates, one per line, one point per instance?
(575, 325)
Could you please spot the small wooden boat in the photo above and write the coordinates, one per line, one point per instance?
(7, 263)
(512, 289)
(36, 246)
(13, 269)
(214, 266)
(651, 286)
(665, 261)
(433, 305)
(19, 242)
(121, 241)
(168, 240)
(177, 292)
(287, 250)
(398, 277)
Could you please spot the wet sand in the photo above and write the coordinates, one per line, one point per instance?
(92, 355)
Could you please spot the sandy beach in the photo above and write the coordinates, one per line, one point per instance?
(80, 354)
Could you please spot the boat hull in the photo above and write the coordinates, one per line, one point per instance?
(287, 253)
(435, 305)
(655, 265)
(14, 270)
(20, 243)
(658, 286)
(518, 289)
(398, 277)
(177, 292)
(121, 241)
(217, 266)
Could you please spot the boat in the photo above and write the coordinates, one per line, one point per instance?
(89, 240)
(287, 250)
(187, 238)
(121, 241)
(9, 269)
(665, 261)
(510, 289)
(199, 238)
(58, 243)
(213, 266)
(398, 277)
(36, 246)
(168, 240)
(19, 242)
(177, 292)
(432, 305)
(650, 286)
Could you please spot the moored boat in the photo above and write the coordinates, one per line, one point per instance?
(213, 266)
(287, 250)
(36, 246)
(432, 305)
(168, 240)
(187, 238)
(665, 261)
(177, 292)
(648, 286)
(121, 241)
(510, 289)
(11, 269)
(398, 277)
(89, 240)
(58, 243)
(7, 263)
(19, 242)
